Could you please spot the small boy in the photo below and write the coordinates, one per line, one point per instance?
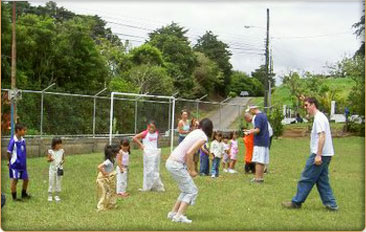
(17, 157)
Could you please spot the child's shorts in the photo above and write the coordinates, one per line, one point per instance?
(18, 174)
(226, 158)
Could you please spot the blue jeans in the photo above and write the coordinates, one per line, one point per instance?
(204, 164)
(180, 138)
(313, 174)
(215, 166)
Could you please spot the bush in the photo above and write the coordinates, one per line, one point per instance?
(232, 94)
(357, 128)
(275, 117)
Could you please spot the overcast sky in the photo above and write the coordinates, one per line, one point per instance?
(304, 35)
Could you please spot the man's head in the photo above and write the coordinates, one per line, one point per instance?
(253, 109)
(248, 117)
(311, 105)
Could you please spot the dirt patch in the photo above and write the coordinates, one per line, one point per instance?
(303, 132)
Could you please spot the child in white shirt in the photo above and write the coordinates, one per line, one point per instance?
(217, 151)
(122, 168)
(56, 158)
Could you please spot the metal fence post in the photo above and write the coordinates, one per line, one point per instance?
(172, 129)
(94, 108)
(42, 96)
(136, 116)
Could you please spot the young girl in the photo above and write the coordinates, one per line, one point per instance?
(122, 168)
(151, 153)
(226, 157)
(204, 160)
(217, 151)
(56, 158)
(106, 179)
(181, 167)
(233, 152)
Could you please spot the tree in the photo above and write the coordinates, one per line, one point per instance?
(152, 79)
(360, 32)
(206, 75)
(146, 54)
(260, 74)
(241, 81)
(178, 55)
(218, 52)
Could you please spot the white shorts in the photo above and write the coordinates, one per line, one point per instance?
(233, 155)
(185, 182)
(260, 155)
(226, 158)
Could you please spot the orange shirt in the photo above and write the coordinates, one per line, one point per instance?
(249, 144)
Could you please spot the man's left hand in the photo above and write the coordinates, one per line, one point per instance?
(318, 160)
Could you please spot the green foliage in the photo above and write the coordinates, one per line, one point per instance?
(152, 79)
(233, 94)
(218, 52)
(119, 84)
(206, 75)
(357, 128)
(260, 75)
(275, 117)
(240, 81)
(146, 54)
(178, 55)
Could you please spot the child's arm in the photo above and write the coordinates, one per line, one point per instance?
(119, 162)
(204, 150)
(63, 158)
(137, 139)
(49, 156)
(101, 169)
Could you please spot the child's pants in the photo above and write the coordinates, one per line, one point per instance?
(204, 165)
(215, 166)
(122, 180)
(54, 181)
(152, 179)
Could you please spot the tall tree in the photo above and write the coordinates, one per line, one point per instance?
(218, 52)
(260, 74)
(178, 55)
(360, 32)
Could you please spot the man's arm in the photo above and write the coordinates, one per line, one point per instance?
(321, 141)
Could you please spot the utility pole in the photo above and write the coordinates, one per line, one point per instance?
(13, 72)
(267, 67)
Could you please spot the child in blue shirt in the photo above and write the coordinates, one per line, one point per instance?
(17, 157)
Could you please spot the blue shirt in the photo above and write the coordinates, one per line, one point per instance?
(262, 138)
(18, 152)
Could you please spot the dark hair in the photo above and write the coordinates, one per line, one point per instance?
(182, 111)
(19, 127)
(234, 133)
(152, 122)
(125, 142)
(110, 152)
(207, 126)
(55, 141)
(217, 133)
(312, 100)
(226, 136)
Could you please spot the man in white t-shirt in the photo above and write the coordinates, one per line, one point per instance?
(316, 168)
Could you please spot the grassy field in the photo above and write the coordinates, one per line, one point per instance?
(226, 203)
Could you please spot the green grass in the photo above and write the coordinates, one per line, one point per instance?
(226, 203)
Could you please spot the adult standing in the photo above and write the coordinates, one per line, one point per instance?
(180, 165)
(261, 143)
(316, 167)
(183, 126)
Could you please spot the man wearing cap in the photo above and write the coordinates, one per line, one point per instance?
(261, 143)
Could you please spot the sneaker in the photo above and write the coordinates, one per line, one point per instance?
(225, 170)
(49, 198)
(331, 208)
(171, 215)
(181, 218)
(232, 171)
(290, 205)
(213, 176)
(123, 195)
(257, 181)
(57, 198)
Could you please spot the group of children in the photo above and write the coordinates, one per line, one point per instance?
(223, 148)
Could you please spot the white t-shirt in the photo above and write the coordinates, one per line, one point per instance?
(57, 157)
(108, 166)
(321, 124)
(217, 148)
(180, 152)
(150, 141)
(125, 157)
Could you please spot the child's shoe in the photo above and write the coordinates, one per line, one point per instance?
(225, 170)
(49, 198)
(181, 218)
(123, 195)
(171, 215)
(57, 199)
(213, 176)
(232, 171)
